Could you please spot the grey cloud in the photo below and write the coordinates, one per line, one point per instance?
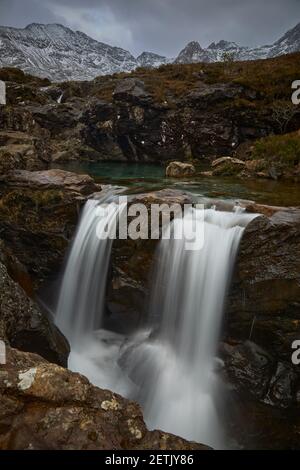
(163, 26)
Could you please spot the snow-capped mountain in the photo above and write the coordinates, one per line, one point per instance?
(289, 43)
(216, 52)
(56, 52)
(59, 53)
(192, 52)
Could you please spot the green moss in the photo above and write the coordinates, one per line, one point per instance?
(280, 151)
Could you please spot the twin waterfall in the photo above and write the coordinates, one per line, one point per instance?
(169, 365)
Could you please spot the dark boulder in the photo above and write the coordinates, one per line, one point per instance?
(25, 327)
(253, 372)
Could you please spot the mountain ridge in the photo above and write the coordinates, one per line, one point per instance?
(57, 52)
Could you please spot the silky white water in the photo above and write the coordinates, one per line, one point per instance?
(169, 366)
(81, 301)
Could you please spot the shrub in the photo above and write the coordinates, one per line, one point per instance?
(280, 151)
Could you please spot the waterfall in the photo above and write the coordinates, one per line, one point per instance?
(175, 368)
(170, 365)
(81, 301)
(59, 99)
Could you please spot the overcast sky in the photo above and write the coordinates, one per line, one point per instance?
(163, 26)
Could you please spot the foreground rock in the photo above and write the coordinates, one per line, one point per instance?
(25, 327)
(38, 215)
(44, 406)
(180, 170)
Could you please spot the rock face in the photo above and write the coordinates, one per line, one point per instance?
(44, 406)
(25, 327)
(179, 170)
(38, 215)
(131, 119)
(253, 371)
(19, 150)
(264, 298)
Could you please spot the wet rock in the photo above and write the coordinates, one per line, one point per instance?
(264, 299)
(25, 327)
(164, 196)
(249, 367)
(257, 426)
(253, 372)
(38, 215)
(263, 209)
(283, 386)
(16, 270)
(180, 170)
(44, 406)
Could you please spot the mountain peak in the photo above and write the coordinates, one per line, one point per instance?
(222, 45)
(192, 52)
(193, 46)
(291, 36)
(42, 26)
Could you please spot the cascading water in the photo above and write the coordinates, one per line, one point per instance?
(169, 366)
(81, 301)
(175, 370)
